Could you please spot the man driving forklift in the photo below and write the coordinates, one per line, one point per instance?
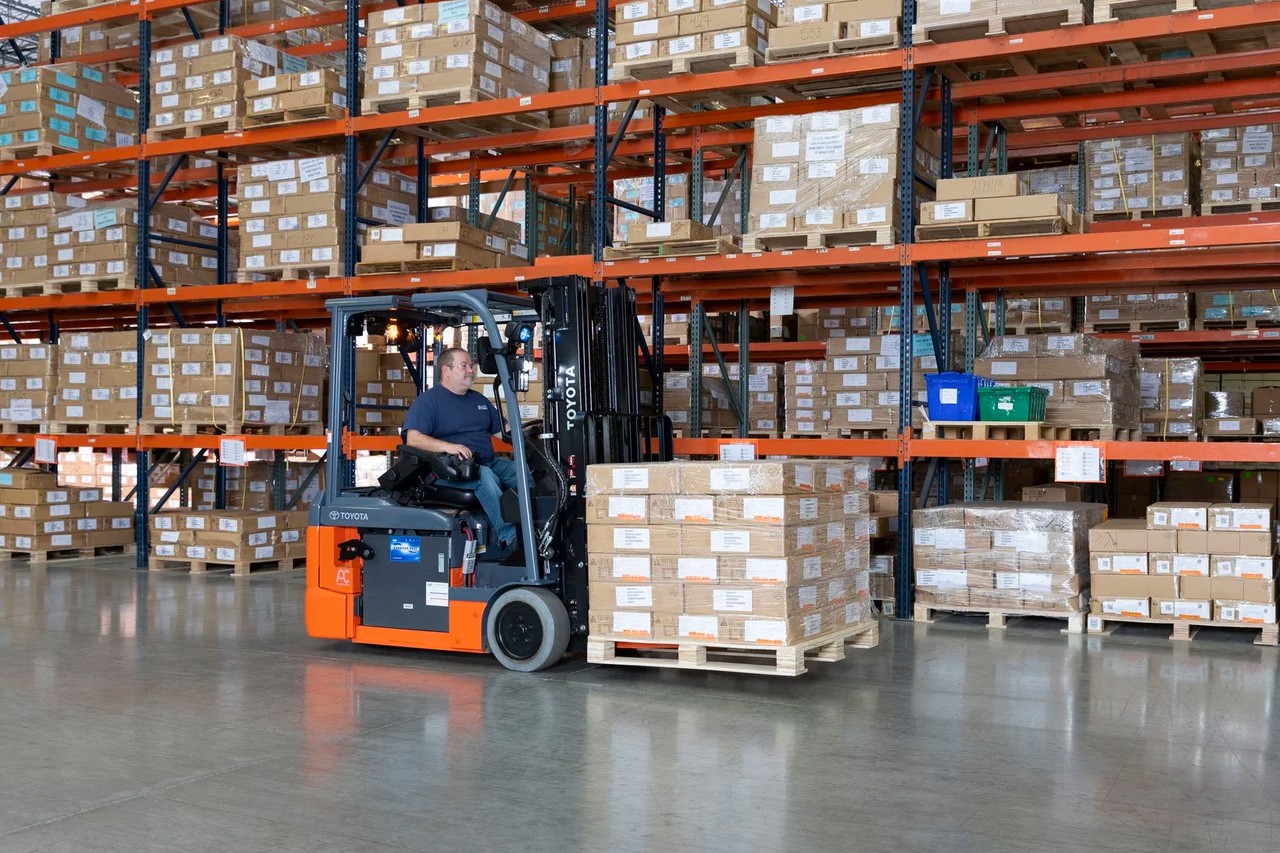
(451, 417)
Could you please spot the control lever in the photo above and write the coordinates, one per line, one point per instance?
(354, 549)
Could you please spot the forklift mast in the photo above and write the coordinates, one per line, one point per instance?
(593, 411)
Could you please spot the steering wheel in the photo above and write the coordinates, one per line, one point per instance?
(446, 466)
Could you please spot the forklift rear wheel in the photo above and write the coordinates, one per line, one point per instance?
(527, 629)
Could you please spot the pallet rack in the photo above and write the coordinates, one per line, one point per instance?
(977, 119)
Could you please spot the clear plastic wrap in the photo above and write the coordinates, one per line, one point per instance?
(1239, 306)
(1149, 306)
(97, 378)
(1238, 166)
(70, 107)
(1224, 404)
(1032, 556)
(1172, 401)
(100, 241)
(1133, 174)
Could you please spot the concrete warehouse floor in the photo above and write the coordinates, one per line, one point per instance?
(168, 712)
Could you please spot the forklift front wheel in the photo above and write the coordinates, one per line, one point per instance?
(527, 629)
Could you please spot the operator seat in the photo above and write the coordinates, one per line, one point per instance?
(414, 479)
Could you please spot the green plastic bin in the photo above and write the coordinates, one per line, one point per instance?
(1012, 404)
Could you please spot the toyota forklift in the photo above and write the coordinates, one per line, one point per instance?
(404, 563)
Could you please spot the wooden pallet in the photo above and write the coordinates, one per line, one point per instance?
(252, 567)
(39, 149)
(90, 285)
(1134, 215)
(976, 28)
(424, 265)
(728, 434)
(737, 657)
(305, 114)
(997, 430)
(196, 130)
(691, 63)
(453, 97)
(835, 238)
(1126, 10)
(300, 271)
(1041, 226)
(1153, 436)
(1038, 329)
(168, 428)
(16, 291)
(1183, 629)
(1000, 617)
(673, 249)
(12, 428)
(1235, 436)
(1104, 432)
(89, 428)
(1224, 207)
(1245, 323)
(1104, 327)
(63, 554)
(838, 47)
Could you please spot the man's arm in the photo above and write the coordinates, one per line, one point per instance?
(422, 441)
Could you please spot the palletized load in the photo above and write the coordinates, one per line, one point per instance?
(1151, 309)
(97, 381)
(1239, 172)
(827, 28)
(1004, 556)
(294, 97)
(26, 224)
(243, 541)
(1237, 309)
(654, 38)
(994, 206)
(253, 487)
(764, 553)
(63, 109)
(1142, 176)
(443, 246)
(1172, 401)
(958, 20)
(38, 516)
(97, 246)
(28, 386)
(831, 179)
(454, 52)
(231, 378)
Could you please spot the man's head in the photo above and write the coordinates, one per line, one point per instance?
(457, 372)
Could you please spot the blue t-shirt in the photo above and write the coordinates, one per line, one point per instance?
(468, 419)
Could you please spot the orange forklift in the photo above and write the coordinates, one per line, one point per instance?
(403, 563)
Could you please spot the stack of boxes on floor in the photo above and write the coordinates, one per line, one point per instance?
(832, 171)
(1172, 400)
(97, 379)
(1149, 309)
(291, 214)
(101, 242)
(809, 28)
(202, 86)
(1004, 556)
(649, 30)
(253, 486)
(237, 537)
(234, 378)
(25, 220)
(1091, 382)
(37, 515)
(457, 52)
(1238, 168)
(1189, 560)
(63, 109)
(982, 206)
(765, 553)
(28, 384)
(1142, 174)
(884, 545)
(447, 245)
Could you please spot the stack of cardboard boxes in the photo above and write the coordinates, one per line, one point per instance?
(1140, 175)
(1238, 168)
(1004, 556)
(831, 171)
(815, 29)
(976, 18)
(64, 108)
(286, 98)
(291, 214)
(1054, 180)
(204, 85)
(85, 467)
(573, 66)
(25, 221)
(384, 389)
(1036, 314)
(1172, 400)
(639, 191)
(1266, 409)
(100, 243)
(448, 53)
(1237, 308)
(663, 33)
(1187, 561)
(993, 206)
(253, 486)
(445, 246)
(240, 538)
(1153, 308)
(1225, 415)
(1091, 382)
(764, 395)
(28, 385)
(234, 378)
(764, 553)
(38, 516)
(97, 379)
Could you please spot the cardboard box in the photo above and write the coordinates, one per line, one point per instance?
(617, 509)
(989, 186)
(653, 597)
(1128, 608)
(1056, 493)
(1187, 515)
(655, 232)
(1244, 544)
(944, 212)
(1119, 563)
(1241, 518)
(613, 539)
(657, 478)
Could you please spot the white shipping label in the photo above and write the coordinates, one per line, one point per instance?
(804, 14)
(699, 627)
(693, 509)
(732, 600)
(1004, 368)
(730, 479)
(825, 146)
(949, 539)
(873, 215)
(727, 41)
(684, 44)
(731, 541)
(632, 567)
(631, 538)
(871, 29)
(951, 578)
(1006, 580)
(1035, 580)
(780, 198)
(954, 7)
(780, 125)
(633, 596)
(632, 624)
(1195, 565)
(776, 174)
(639, 49)
(627, 509)
(698, 569)
(631, 479)
(760, 570)
(771, 509)
(951, 210)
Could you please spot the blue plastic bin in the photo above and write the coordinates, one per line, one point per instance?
(954, 396)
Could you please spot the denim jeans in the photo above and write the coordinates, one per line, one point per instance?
(495, 477)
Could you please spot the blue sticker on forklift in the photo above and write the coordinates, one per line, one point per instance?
(406, 549)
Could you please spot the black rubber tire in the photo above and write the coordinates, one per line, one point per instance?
(527, 629)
